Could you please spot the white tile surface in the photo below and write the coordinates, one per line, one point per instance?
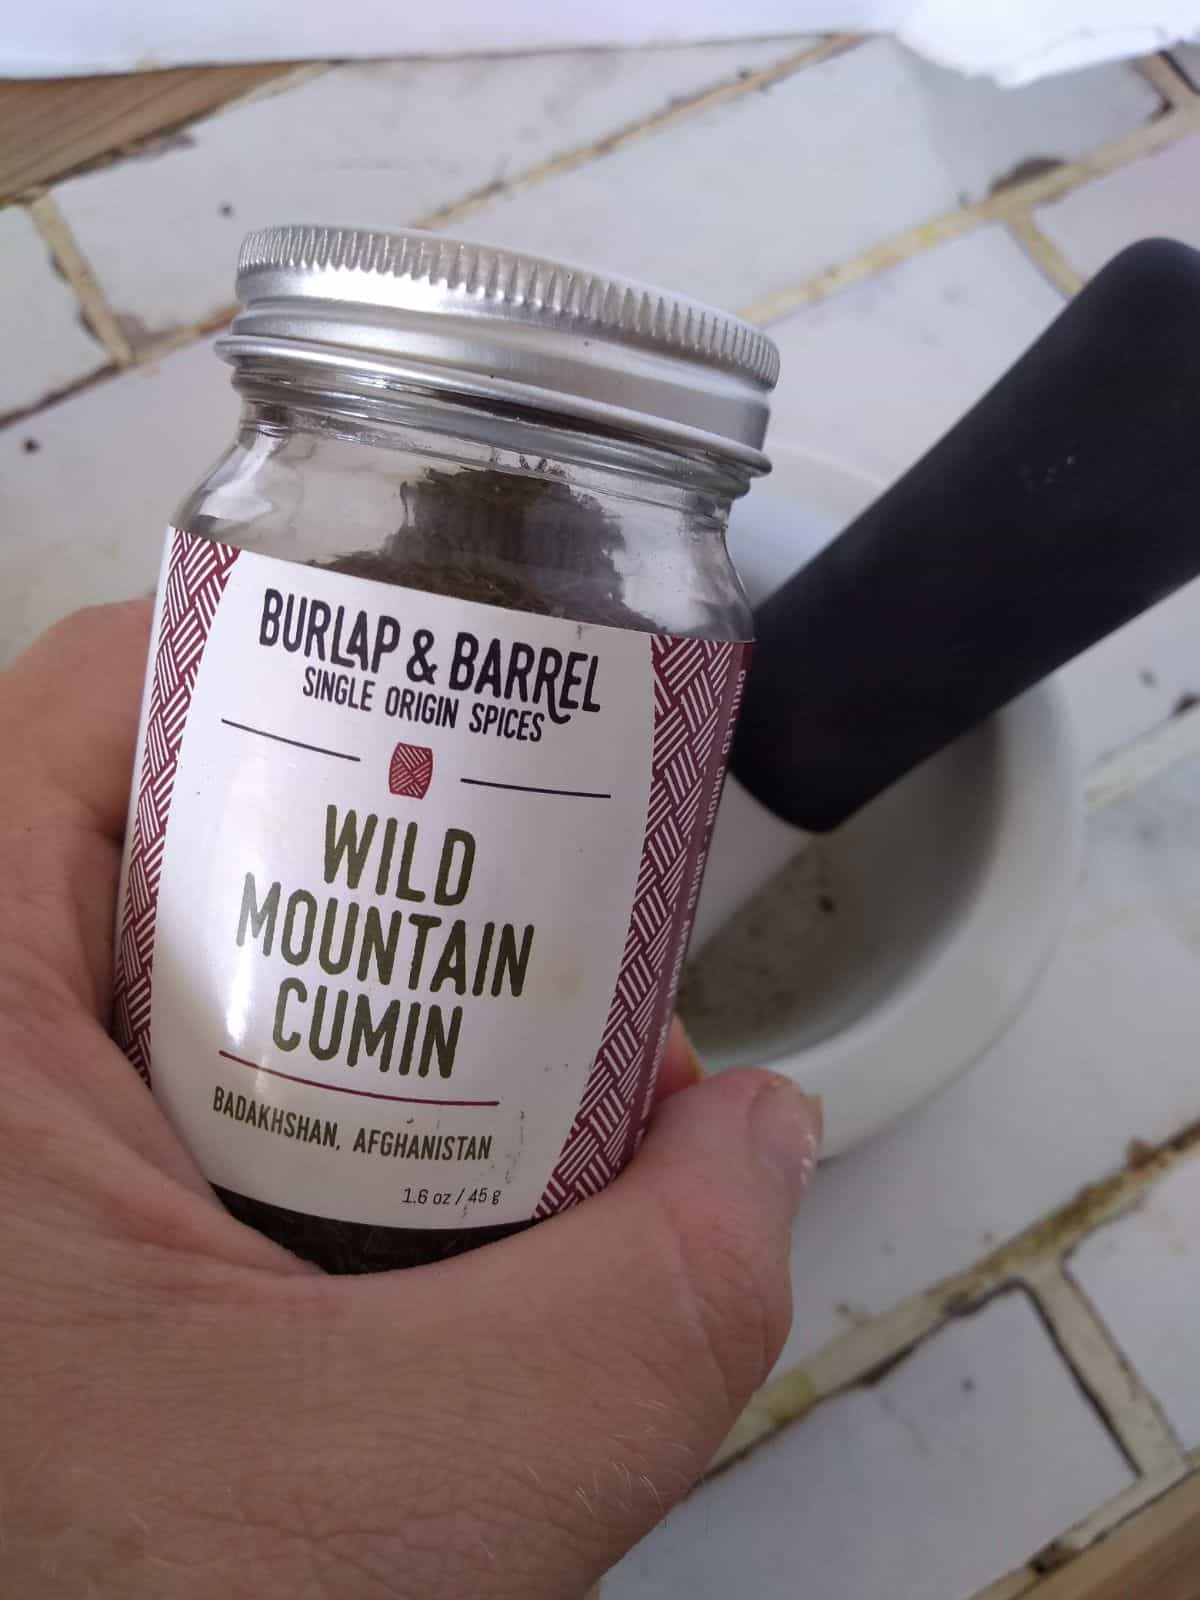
(1148, 198)
(43, 343)
(1104, 1053)
(876, 374)
(372, 144)
(1143, 1276)
(954, 1468)
(82, 518)
(760, 194)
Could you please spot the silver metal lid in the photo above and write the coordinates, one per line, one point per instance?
(493, 324)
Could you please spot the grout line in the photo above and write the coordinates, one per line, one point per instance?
(1003, 206)
(879, 258)
(1039, 1577)
(1124, 1405)
(162, 344)
(852, 1357)
(57, 234)
(677, 111)
(1006, 206)
(1115, 776)
(1085, 1533)
(90, 380)
(1161, 73)
(669, 116)
(60, 241)
(304, 73)
(274, 78)
(844, 1362)
(1011, 1587)
(1046, 256)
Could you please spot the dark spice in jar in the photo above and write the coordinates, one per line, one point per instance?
(479, 534)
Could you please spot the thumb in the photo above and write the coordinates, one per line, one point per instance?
(681, 1267)
(637, 1325)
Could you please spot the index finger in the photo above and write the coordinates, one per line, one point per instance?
(70, 705)
(68, 725)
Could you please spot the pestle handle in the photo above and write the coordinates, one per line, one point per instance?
(1065, 503)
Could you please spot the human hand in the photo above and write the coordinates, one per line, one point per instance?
(187, 1410)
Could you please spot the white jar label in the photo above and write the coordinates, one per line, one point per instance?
(407, 886)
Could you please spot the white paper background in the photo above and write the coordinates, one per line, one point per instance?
(1011, 40)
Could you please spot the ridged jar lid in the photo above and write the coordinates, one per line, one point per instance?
(495, 324)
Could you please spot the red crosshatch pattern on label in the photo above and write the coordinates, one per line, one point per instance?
(697, 683)
(197, 572)
(411, 771)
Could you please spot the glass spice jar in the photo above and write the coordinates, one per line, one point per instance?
(445, 662)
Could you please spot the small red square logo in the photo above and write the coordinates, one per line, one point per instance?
(411, 771)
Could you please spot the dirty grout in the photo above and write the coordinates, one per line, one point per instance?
(1011, 205)
(1111, 1387)
(669, 116)
(1002, 206)
(851, 1358)
(1161, 73)
(1046, 256)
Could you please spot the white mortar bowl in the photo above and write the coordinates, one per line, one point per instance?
(888, 957)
